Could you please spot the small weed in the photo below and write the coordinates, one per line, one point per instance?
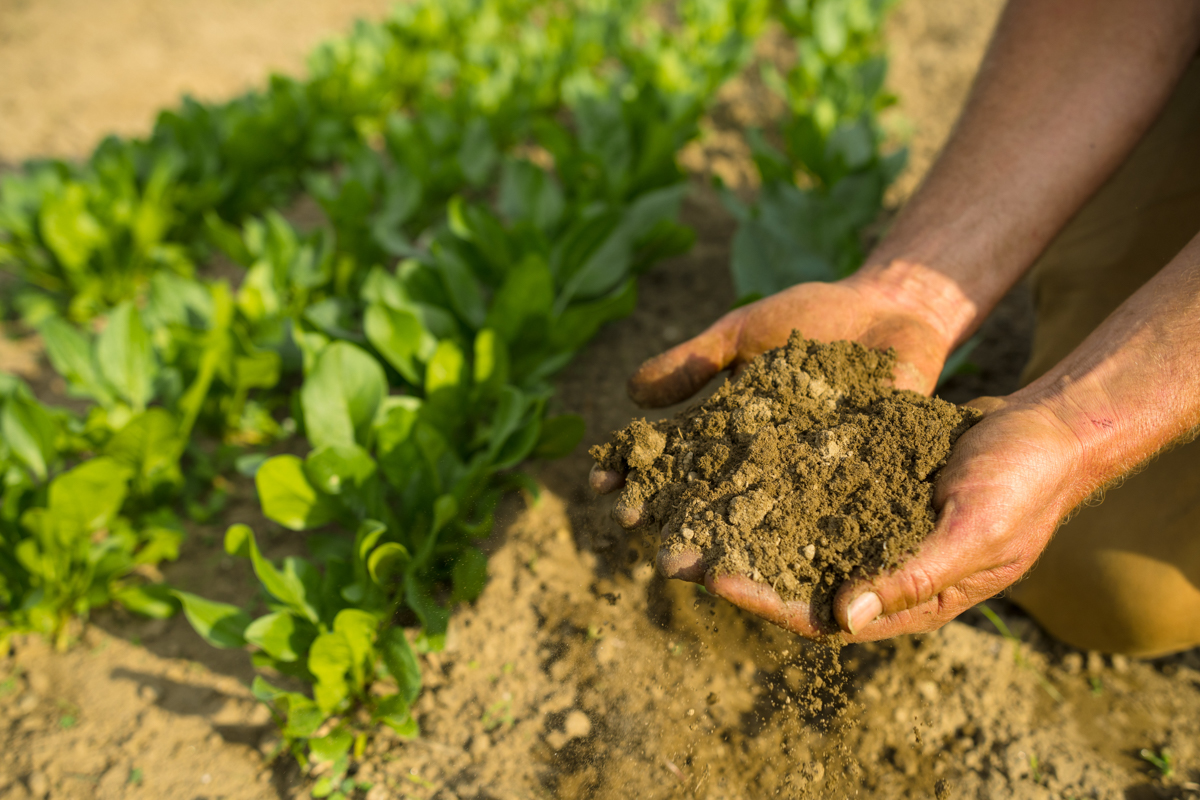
(8, 686)
(498, 713)
(1097, 686)
(135, 777)
(1163, 761)
(1018, 656)
(1035, 772)
(67, 721)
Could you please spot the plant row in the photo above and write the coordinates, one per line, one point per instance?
(493, 175)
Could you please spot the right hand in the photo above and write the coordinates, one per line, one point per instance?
(853, 309)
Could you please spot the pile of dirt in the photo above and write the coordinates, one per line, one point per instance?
(802, 470)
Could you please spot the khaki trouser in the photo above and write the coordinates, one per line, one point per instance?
(1124, 575)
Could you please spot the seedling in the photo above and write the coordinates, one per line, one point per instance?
(1162, 760)
(1018, 655)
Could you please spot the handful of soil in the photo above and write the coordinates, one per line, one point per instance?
(806, 467)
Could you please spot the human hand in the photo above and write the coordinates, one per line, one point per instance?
(1009, 481)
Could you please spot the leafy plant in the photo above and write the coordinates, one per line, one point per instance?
(1162, 760)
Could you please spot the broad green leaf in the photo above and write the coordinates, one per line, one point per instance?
(394, 712)
(469, 574)
(329, 659)
(126, 356)
(88, 497)
(401, 662)
(281, 635)
(333, 469)
(341, 395)
(30, 432)
(478, 152)
(490, 365)
(434, 617)
(360, 629)
(288, 498)
(559, 436)
(445, 369)
(331, 747)
(70, 353)
(221, 624)
(149, 445)
(527, 293)
(154, 601)
(304, 717)
(400, 338)
(285, 585)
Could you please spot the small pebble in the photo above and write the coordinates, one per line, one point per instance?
(810, 551)
(687, 533)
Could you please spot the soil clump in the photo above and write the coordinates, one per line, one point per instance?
(803, 469)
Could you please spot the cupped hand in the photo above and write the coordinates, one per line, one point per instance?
(1009, 481)
(850, 309)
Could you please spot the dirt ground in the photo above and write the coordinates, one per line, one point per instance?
(579, 672)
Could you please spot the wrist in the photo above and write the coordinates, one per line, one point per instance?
(915, 290)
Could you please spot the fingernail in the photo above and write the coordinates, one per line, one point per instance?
(864, 610)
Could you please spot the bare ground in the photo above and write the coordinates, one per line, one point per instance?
(579, 672)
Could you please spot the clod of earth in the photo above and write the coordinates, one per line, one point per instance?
(807, 467)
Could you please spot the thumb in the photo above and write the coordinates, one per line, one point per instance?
(683, 370)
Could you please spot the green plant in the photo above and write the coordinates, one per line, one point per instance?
(823, 171)
(1018, 655)
(1162, 760)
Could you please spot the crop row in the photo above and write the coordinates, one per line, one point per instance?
(493, 176)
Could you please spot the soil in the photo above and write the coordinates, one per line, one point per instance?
(579, 672)
(804, 469)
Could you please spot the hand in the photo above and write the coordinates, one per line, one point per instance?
(849, 309)
(1008, 483)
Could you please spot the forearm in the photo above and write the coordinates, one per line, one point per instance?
(1066, 90)
(1132, 387)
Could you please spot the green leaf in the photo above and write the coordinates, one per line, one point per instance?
(329, 659)
(394, 712)
(478, 152)
(88, 497)
(331, 747)
(281, 635)
(337, 468)
(386, 561)
(401, 663)
(155, 600)
(400, 338)
(434, 617)
(70, 353)
(126, 356)
(304, 717)
(288, 498)
(286, 585)
(559, 436)
(30, 432)
(341, 395)
(221, 624)
(469, 574)
(149, 445)
(445, 368)
(360, 629)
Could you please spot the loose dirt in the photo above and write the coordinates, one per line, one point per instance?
(579, 673)
(804, 469)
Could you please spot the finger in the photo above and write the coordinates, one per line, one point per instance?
(628, 513)
(762, 600)
(683, 370)
(958, 549)
(605, 481)
(685, 565)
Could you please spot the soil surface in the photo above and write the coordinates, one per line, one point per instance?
(579, 672)
(806, 467)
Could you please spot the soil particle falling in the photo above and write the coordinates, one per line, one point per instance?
(806, 467)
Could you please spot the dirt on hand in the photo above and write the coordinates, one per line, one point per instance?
(807, 467)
